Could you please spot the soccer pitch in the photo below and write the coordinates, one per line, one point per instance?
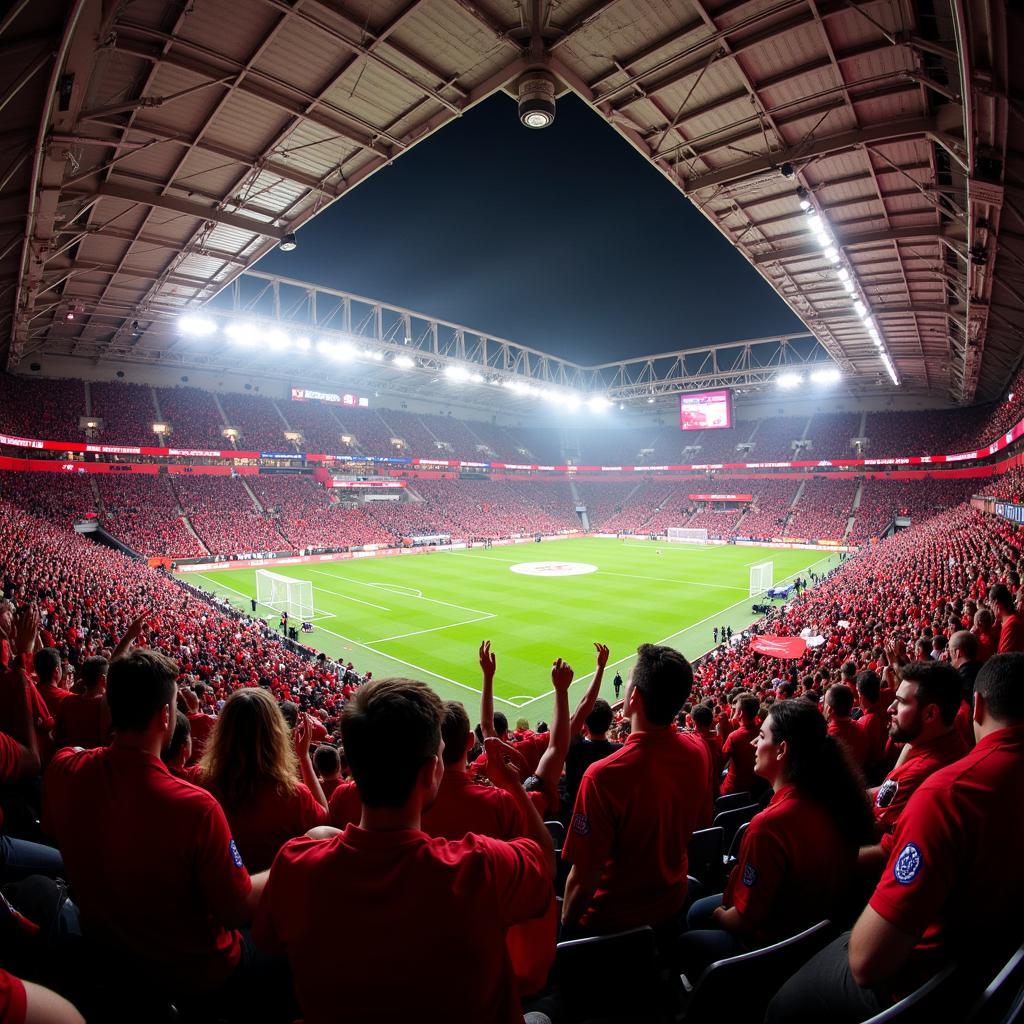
(424, 615)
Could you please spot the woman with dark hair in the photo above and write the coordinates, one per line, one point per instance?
(263, 776)
(797, 859)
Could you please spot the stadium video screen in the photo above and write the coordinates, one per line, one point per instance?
(705, 410)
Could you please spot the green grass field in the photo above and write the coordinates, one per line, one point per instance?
(424, 615)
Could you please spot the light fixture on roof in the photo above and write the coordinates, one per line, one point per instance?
(805, 202)
(288, 243)
(404, 362)
(650, 401)
(597, 403)
(536, 93)
(831, 375)
(860, 309)
(196, 326)
(74, 312)
(456, 373)
(789, 380)
(242, 334)
(303, 344)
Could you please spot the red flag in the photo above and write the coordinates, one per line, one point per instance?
(779, 646)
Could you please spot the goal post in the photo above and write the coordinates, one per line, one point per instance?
(285, 594)
(685, 535)
(762, 576)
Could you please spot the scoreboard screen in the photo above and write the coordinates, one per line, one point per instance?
(705, 410)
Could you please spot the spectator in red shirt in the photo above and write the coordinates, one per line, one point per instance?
(637, 809)
(935, 902)
(157, 877)
(738, 749)
(200, 723)
(703, 726)
(49, 679)
(177, 754)
(411, 905)
(923, 717)
(982, 629)
(797, 858)
(874, 722)
(839, 699)
(262, 775)
(83, 719)
(1011, 626)
(328, 768)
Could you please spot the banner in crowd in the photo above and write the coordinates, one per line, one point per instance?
(720, 497)
(787, 647)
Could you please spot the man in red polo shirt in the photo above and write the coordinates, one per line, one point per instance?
(1010, 624)
(49, 679)
(935, 902)
(154, 869)
(738, 748)
(839, 700)
(416, 909)
(874, 722)
(83, 719)
(636, 809)
(924, 718)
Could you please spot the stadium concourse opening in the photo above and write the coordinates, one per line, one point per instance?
(621, 621)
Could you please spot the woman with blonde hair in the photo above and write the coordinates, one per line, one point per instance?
(262, 775)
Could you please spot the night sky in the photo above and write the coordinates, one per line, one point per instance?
(563, 239)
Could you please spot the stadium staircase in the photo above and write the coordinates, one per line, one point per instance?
(807, 428)
(156, 406)
(186, 522)
(256, 501)
(579, 505)
(284, 420)
(792, 506)
(220, 409)
(88, 398)
(853, 509)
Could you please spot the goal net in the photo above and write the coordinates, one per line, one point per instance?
(683, 535)
(285, 594)
(761, 577)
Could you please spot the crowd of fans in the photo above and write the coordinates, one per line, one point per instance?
(258, 422)
(142, 512)
(822, 509)
(194, 418)
(41, 408)
(221, 859)
(127, 411)
(223, 515)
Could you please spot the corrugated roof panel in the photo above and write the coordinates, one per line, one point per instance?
(314, 149)
(372, 93)
(249, 123)
(303, 56)
(236, 30)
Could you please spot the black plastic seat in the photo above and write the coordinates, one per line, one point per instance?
(929, 1003)
(996, 1003)
(731, 801)
(730, 821)
(704, 856)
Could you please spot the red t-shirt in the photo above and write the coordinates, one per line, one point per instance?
(462, 806)
(13, 1000)
(851, 736)
(412, 907)
(794, 867)
(739, 751)
(151, 861)
(899, 785)
(344, 806)
(1011, 634)
(635, 813)
(875, 724)
(53, 697)
(201, 726)
(268, 819)
(10, 758)
(82, 721)
(532, 750)
(951, 880)
(330, 785)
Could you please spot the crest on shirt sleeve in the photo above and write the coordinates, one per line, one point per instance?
(886, 793)
(235, 855)
(907, 865)
(749, 874)
(580, 824)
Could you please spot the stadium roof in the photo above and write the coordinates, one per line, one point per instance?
(156, 150)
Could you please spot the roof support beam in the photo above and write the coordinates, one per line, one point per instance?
(922, 231)
(909, 128)
(197, 210)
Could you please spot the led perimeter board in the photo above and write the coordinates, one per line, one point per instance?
(705, 410)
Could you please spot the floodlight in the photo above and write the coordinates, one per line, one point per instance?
(325, 347)
(829, 376)
(277, 339)
(801, 194)
(404, 362)
(572, 402)
(196, 326)
(456, 373)
(288, 243)
(814, 223)
(597, 403)
(242, 334)
(860, 309)
(843, 274)
(536, 93)
(831, 254)
(848, 287)
(372, 353)
(476, 378)
(789, 380)
(302, 343)
(824, 239)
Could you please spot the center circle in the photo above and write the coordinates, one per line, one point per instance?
(554, 568)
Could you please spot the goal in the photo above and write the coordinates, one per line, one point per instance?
(762, 576)
(285, 594)
(683, 535)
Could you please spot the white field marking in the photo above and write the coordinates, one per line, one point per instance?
(678, 632)
(346, 597)
(373, 650)
(396, 588)
(664, 579)
(409, 664)
(432, 600)
(433, 629)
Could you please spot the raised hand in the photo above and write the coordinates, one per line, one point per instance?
(561, 676)
(302, 735)
(26, 630)
(488, 662)
(602, 655)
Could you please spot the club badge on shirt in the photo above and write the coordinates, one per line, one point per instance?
(749, 875)
(907, 865)
(886, 793)
(580, 824)
(235, 855)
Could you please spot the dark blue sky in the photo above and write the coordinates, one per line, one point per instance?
(563, 239)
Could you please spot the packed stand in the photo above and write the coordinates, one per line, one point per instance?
(623, 447)
(831, 434)
(195, 420)
(774, 437)
(224, 516)
(823, 509)
(371, 433)
(60, 498)
(257, 421)
(767, 514)
(1008, 487)
(127, 411)
(307, 517)
(605, 500)
(411, 429)
(47, 409)
(460, 435)
(320, 428)
(880, 500)
(922, 433)
(640, 505)
(142, 512)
